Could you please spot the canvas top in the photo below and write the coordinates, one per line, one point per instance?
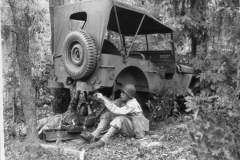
(100, 16)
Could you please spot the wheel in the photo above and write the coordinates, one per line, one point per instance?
(196, 90)
(79, 54)
(61, 101)
(110, 48)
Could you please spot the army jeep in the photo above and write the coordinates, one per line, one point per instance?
(86, 59)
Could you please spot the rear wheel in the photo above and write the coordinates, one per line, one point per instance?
(79, 54)
(61, 101)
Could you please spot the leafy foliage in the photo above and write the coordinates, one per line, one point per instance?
(215, 123)
(165, 103)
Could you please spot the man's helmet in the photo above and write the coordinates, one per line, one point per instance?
(130, 90)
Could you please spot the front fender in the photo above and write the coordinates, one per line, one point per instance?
(183, 80)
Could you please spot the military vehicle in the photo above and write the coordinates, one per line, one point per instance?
(87, 59)
(84, 59)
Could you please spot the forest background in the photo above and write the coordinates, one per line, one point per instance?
(207, 37)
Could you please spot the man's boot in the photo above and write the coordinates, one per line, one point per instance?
(96, 144)
(101, 126)
(91, 137)
(112, 130)
(88, 136)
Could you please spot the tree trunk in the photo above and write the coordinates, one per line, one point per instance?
(183, 11)
(27, 90)
(205, 38)
(198, 35)
(194, 42)
(18, 114)
(193, 35)
(61, 96)
(238, 65)
(21, 23)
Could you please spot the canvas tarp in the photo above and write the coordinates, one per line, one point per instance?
(100, 16)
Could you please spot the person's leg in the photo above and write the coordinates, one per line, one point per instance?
(119, 123)
(105, 120)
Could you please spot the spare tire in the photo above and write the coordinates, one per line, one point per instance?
(79, 54)
(110, 48)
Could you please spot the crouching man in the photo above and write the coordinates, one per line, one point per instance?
(127, 119)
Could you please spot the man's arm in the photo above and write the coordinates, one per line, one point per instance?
(118, 102)
(114, 108)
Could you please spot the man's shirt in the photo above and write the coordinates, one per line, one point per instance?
(131, 107)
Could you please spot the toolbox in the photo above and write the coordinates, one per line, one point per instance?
(63, 134)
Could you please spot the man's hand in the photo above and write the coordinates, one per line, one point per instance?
(99, 95)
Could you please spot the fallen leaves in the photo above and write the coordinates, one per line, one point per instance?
(167, 142)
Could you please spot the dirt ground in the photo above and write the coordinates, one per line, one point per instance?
(168, 140)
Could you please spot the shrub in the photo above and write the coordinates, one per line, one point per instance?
(165, 103)
(214, 126)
